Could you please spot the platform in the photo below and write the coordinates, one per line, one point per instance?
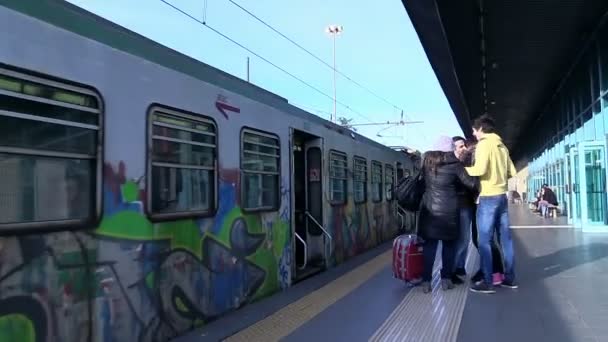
(563, 296)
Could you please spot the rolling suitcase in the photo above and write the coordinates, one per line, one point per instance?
(408, 261)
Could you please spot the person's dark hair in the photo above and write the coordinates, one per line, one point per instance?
(459, 138)
(486, 123)
(432, 159)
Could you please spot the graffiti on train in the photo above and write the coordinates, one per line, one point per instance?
(133, 280)
(356, 231)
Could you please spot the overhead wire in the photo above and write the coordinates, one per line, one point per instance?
(313, 55)
(263, 22)
(311, 109)
(205, 24)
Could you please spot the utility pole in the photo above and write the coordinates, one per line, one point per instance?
(247, 69)
(334, 31)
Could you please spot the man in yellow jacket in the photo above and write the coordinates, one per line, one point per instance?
(494, 167)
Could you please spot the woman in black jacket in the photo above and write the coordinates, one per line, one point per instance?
(439, 220)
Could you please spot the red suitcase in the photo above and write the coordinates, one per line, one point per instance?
(408, 261)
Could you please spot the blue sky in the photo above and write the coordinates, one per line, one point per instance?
(378, 48)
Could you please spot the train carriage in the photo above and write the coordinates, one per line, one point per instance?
(144, 193)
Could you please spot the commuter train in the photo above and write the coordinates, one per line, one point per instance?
(144, 193)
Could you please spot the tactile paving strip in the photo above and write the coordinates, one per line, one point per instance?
(428, 317)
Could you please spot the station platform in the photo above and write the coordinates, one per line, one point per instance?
(562, 296)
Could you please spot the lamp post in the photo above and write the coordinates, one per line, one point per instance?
(334, 31)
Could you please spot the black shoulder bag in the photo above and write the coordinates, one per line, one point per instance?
(409, 191)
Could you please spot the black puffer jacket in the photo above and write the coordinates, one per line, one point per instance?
(440, 210)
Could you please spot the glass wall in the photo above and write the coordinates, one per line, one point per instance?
(572, 137)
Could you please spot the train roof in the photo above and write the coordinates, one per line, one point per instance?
(72, 18)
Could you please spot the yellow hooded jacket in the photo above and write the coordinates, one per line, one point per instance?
(493, 166)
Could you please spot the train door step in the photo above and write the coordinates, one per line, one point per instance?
(308, 272)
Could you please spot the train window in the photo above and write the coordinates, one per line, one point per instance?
(182, 164)
(338, 165)
(50, 153)
(390, 180)
(260, 170)
(399, 171)
(376, 181)
(360, 179)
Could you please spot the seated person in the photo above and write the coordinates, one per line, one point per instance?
(548, 199)
(536, 200)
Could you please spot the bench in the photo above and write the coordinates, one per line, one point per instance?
(553, 210)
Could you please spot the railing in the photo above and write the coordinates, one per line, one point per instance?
(330, 239)
(401, 213)
(305, 251)
(405, 218)
(401, 218)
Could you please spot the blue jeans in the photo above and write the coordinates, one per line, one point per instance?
(493, 216)
(464, 238)
(543, 206)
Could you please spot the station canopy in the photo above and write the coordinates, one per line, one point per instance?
(506, 58)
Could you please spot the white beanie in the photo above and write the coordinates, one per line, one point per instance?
(443, 144)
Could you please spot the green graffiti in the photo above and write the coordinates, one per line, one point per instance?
(127, 225)
(130, 191)
(17, 327)
(280, 232)
(198, 323)
(263, 258)
(179, 304)
(150, 280)
(79, 282)
(185, 234)
(224, 234)
(269, 258)
(134, 226)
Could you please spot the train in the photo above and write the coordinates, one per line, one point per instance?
(144, 193)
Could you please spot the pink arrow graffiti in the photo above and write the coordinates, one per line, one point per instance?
(224, 108)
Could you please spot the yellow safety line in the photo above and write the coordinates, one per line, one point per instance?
(294, 315)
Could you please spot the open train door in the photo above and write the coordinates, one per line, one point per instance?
(311, 241)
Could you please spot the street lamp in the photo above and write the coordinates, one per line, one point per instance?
(334, 31)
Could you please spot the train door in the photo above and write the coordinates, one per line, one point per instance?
(310, 239)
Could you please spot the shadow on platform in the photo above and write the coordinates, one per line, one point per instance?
(557, 271)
